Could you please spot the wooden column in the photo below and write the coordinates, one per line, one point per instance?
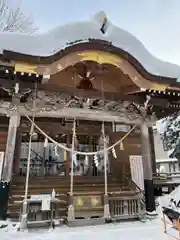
(147, 168)
(153, 155)
(8, 165)
(14, 122)
(17, 151)
(68, 156)
(90, 172)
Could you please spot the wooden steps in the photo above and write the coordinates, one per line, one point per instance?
(45, 185)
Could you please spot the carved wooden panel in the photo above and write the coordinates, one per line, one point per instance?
(87, 202)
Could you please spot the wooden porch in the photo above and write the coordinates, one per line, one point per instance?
(88, 199)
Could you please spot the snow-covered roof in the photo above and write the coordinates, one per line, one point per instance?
(55, 40)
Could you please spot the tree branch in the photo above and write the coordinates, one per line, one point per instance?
(14, 20)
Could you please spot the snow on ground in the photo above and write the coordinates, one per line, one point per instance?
(150, 230)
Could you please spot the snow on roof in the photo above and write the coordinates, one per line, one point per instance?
(53, 41)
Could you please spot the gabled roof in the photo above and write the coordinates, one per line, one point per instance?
(40, 47)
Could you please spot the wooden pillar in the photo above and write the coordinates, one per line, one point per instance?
(8, 164)
(90, 172)
(17, 151)
(14, 122)
(147, 168)
(153, 155)
(68, 156)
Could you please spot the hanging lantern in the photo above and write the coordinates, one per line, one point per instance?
(96, 162)
(121, 146)
(114, 152)
(45, 142)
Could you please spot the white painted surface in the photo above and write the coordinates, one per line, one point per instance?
(57, 39)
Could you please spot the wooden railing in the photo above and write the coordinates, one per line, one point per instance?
(126, 207)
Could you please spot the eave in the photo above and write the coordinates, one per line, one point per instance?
(49, 47)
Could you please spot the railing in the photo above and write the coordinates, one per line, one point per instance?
(126, 207)
(166, 176)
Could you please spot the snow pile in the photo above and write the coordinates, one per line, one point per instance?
(69, 34)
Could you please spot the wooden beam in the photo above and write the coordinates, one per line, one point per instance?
(78, 113)
(93, 94)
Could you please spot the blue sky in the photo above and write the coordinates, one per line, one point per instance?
(154, 22)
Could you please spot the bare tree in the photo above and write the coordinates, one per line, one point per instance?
(14, 20)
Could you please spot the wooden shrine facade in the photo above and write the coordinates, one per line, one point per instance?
(90, 83)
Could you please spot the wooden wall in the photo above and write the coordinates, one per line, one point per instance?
(4, 123)
(121, 165)
(3, 140)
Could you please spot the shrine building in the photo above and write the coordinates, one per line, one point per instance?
(76, 113)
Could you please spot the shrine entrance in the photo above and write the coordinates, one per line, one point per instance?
(49, 160)
(66, 107)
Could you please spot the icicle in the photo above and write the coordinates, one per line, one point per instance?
(114, 153)
(96, 160)
(46, 142)
(121, 146)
